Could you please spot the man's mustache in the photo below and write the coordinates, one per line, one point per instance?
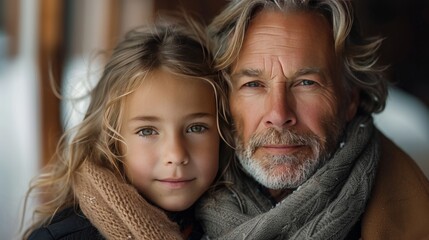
(272, 136)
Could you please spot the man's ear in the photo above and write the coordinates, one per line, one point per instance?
(353, 105)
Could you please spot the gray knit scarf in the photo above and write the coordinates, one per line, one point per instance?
(326, 206)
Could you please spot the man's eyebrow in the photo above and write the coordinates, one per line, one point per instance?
(305, 71)
(247, 72)
(252, 72)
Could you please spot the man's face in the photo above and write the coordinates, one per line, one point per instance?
(287, 100)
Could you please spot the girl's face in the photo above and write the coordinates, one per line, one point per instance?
(172, 140)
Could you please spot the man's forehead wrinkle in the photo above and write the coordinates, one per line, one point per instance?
(277, 31)
(263, 28)
(254, 46)
(269, 63)
(278, 42)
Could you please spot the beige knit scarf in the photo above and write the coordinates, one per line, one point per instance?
(117, 210)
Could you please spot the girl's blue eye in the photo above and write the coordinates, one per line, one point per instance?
(146, 132)
(197, 129)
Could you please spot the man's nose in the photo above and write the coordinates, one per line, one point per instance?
(175, 151)
(280, 108)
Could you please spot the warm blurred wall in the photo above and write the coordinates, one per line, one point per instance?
(19, 110)
(51, 54)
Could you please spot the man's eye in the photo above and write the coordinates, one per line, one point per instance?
(253, 84)
(307, 82)
(147, 132)
(197, 129)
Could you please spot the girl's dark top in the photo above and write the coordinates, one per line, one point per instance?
(67, 225)
(71, 223)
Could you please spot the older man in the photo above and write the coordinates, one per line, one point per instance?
(310, 164)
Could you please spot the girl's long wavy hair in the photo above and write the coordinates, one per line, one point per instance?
(357, 55)
(176, 44)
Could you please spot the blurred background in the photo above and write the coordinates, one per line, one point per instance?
(64, 41)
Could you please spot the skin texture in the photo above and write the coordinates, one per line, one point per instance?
(286, 80)
(171, 139)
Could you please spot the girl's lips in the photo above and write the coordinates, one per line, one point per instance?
(175, 183)
(176, 179)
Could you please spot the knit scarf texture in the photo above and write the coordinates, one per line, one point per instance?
(326, 206)
(117, 210)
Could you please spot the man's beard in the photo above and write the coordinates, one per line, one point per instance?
(286, 171)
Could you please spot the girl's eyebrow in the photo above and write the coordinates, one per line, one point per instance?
(200, 115)
(145, 118)
(157, 119)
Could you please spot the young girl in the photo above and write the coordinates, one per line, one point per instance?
(148, 146)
